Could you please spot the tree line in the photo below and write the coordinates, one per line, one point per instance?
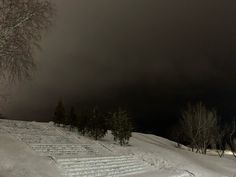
(95, 123)
(201, 128)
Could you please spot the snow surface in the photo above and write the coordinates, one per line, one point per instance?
(32, 149)
(18, 160)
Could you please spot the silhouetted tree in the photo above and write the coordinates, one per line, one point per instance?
(72, 118)
(21, 26)
(59, 114)
(199, 125)
(219, 140)
(232, 137)
(176, 134)
(121, 126)
(96, 126)
(82, 120)
(225, 136)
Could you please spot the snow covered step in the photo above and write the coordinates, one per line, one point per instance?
(29, 131)
(106, 158)
(98, 149)
(49, 139)
(108, 171)
(102, 163)
(102, 166)
(59, 149)
(96, 163)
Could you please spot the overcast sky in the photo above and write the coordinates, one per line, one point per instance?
(154, 52)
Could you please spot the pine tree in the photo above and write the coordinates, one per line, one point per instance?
(72, 118)
(82, 121)
(121, 127)
(59, 114)
(96, 126)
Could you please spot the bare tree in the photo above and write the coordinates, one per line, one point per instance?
(231, 138)
(225, 137)
(199, 125)
(176, 134)
(219, 141)
(21, 26)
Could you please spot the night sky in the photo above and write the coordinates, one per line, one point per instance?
(149, 56)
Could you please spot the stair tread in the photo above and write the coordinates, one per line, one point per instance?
(104, 166)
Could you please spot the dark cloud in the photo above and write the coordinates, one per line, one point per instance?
(150, 54)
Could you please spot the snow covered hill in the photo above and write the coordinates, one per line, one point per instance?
(33, 149)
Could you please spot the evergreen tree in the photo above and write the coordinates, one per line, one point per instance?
(96, 126)
(82, 121)
(72, 118)
(59, 114)
(121, 126)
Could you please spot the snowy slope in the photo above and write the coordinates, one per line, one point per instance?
(18, 160)
(169, 159)
(32, 149)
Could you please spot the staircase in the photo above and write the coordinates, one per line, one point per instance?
(75, 156)
(112, 166)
